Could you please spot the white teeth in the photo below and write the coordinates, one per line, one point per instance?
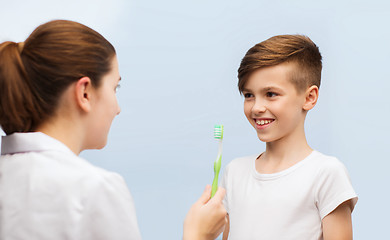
(263, 122)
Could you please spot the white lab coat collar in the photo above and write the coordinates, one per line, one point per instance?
(31, 142)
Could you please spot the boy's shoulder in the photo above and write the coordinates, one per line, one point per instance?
(241, 164)
(325, 161)
(328, 166)
(245, 160)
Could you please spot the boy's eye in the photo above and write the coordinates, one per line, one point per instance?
(248, 95)
(271, 94)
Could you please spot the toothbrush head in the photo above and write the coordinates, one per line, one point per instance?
(218, 132)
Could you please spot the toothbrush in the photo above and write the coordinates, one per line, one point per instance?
(218, 135)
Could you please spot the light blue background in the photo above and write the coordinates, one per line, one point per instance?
(179, 60)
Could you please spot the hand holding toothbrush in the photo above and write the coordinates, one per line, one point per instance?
(207, 217)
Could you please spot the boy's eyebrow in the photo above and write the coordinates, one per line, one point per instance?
(265, 89)
(270, 88)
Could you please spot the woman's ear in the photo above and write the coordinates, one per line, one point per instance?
(83, 91)
(311, 97)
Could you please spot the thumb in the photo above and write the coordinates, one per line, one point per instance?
(205, 195)
(219, 195)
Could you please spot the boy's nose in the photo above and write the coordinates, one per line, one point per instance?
(258, 107)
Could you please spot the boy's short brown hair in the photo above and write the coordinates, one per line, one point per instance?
(297, 49)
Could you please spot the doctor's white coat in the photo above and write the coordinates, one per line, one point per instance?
(49, 193)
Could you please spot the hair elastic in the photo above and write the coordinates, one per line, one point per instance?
(20, 46)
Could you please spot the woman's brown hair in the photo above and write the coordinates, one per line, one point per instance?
(35, 73)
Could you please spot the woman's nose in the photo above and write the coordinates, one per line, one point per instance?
(119, 110)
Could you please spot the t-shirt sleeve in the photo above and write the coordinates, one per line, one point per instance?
(109, 211)
(334, 187)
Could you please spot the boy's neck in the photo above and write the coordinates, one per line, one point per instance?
(283, 153)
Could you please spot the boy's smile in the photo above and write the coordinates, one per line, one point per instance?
(262, 123)
(272, 104)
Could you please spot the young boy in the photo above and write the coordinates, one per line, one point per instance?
(290, 191)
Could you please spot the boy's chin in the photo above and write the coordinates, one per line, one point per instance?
(265, 138)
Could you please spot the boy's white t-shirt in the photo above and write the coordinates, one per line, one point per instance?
(286, 205)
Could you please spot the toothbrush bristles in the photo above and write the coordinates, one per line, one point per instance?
(218, 132)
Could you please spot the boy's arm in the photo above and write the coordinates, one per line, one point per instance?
(227, 227)
(337, 225)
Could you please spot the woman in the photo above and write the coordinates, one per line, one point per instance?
(57, 98)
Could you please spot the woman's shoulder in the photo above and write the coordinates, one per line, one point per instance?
(69, 171)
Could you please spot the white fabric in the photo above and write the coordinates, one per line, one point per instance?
(49, 193)
(288, 205)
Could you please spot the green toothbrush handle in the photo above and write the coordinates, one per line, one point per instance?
(217, 167)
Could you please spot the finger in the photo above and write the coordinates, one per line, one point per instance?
(205, 195)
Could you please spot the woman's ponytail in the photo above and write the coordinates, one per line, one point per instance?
(16, 98)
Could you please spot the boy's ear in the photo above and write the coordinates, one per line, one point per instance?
(311, 97)
(83, 90)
